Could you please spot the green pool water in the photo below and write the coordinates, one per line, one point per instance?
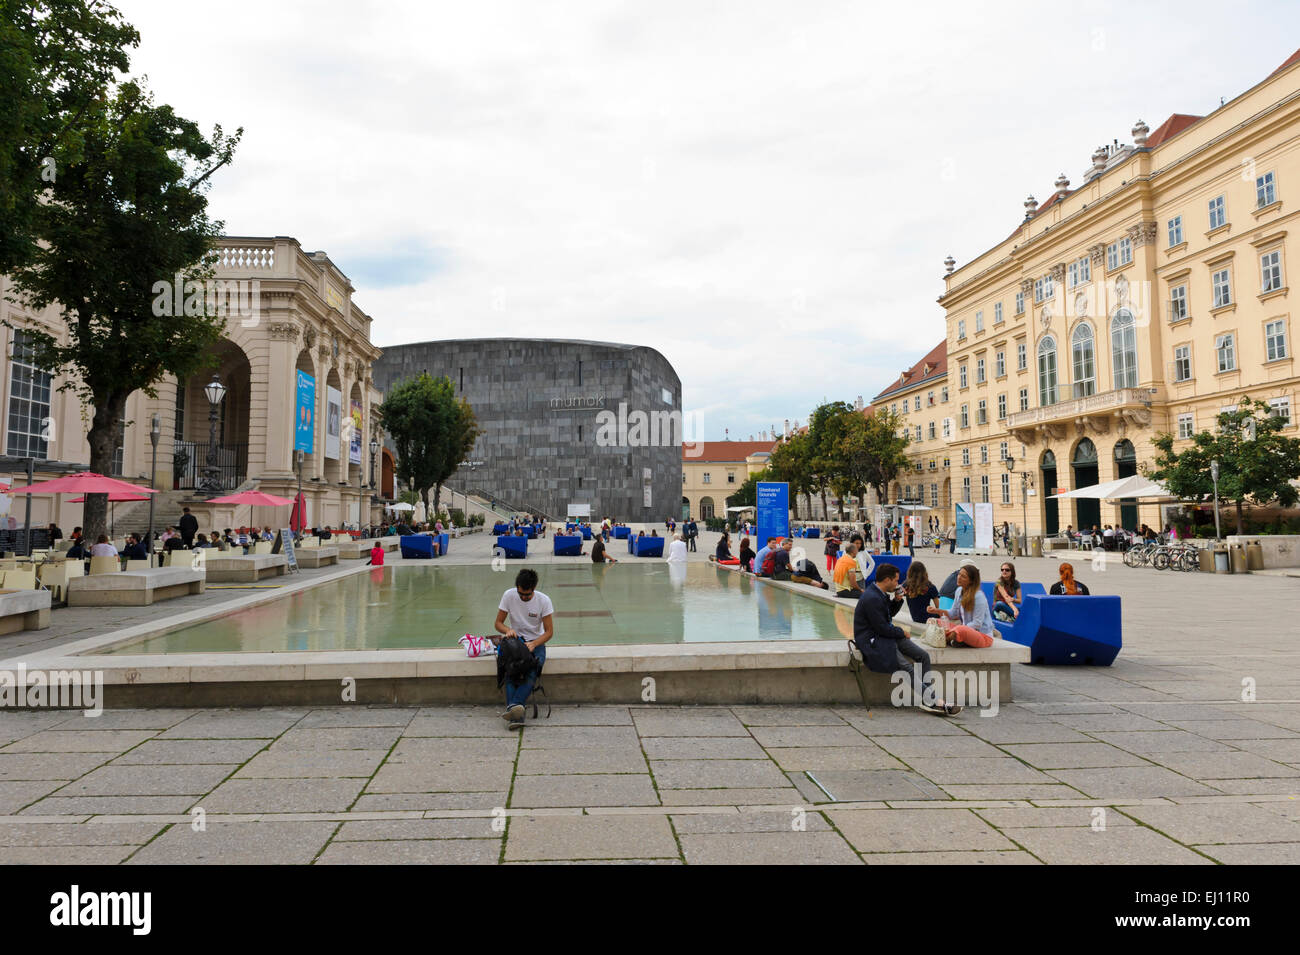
(433, 606)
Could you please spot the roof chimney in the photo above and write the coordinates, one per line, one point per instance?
(857, 405)
(787, 426)
(1031, 207)
(1062, 186)
(1140, 131)
(949, 264)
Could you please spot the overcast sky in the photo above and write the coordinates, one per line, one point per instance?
(765, 192)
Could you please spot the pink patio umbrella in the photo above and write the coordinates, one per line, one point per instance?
(112, 501)
(253, 499)
(83, 482)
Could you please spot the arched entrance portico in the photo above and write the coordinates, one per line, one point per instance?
(1126, 466)
(194, 425)
(1051, 506)
(706, 508)
(1084, 465)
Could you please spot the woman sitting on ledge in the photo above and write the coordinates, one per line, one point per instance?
(968, 620)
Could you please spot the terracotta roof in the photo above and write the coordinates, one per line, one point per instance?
(1290, 60)
(1170, 128)
(735, 451)
(932, 366)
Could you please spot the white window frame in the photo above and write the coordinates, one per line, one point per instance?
(1024, 399)
(979, 371)
(1178, 303)
(1000, 364)
(1022, 356)
(1006, 489)
(1124, 349)
(979, 321)
(1265, 190)
(1218, 210)
(1270, 271)
(997, 313)
(1085, 269)
(964, 421)
(1003, 450)
(1281, 407)
(1225, 352)
(984, 488)
(1049, 379)
(1125, 250)
(965, 457)
(1112, 256)
(961, 329)
(1221, 283)
(1002, 406)
(961, 375)
(1020, 303)
(1175, 231)
(1182, 363)
(982, 411)
(1275, 345)
(1083, 361)
(1186, 426)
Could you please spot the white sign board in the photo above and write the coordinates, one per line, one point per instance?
(333, 422)
(984, 527)
(580, 510)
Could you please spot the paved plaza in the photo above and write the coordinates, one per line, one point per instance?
(1162, 758)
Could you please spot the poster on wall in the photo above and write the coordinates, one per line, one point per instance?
(333, 421)
(984, 527)
(354, 445)
(647, 482)
(965, 528)
(305, 414)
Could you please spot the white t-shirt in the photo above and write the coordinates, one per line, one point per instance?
(525, 616)
(677, 552)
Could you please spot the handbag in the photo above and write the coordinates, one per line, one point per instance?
(934, 635)
(477, 646)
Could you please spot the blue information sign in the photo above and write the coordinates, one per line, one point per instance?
(773, 511)
(305, 414)
(965, 527)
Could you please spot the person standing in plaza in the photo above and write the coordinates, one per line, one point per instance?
(951, 534)
(911, 540)
(189, 527)
(526, 613)
(832, 548)
(692, 534)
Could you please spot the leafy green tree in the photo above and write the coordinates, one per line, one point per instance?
(747, 494)
(57, 59)
(827, 427)
(1256, 462)
(130, 211)
(432, 431)
(873, 452)
(791, 462)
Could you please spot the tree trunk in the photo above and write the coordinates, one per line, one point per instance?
(424, 497)
(437, 496)
(102, 438)
(1239, 519)
(825, 509)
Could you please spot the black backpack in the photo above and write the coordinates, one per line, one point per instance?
(516, 663)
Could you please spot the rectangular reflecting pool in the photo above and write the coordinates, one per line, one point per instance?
(431, 606)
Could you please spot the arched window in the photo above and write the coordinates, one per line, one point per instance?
(1085, 453)
(1083, 361)
(1125, 452)
(1047, 393)
(1049, 461)
(1123, 349)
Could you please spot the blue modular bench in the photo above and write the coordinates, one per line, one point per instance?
(1027, 590)
(568, 545)
(500, 529)
(530, 531)
(812, 532)
(901, 561)
(1067, 630)
(622, 533)
(513, 547)
(417, 545)
(585, 530)
(444, 541)
(645, 546)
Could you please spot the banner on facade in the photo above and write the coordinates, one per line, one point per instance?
(333, 421)
(773, 511)
(965, 527)
(305, 414)
(354, 446)
(984, 527)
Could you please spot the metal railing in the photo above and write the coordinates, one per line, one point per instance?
(231, 463)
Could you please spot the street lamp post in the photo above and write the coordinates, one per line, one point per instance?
(299, 456)
(1214, 476)
(1024, 504)
(374, 452)
(215, 392)
(155, 432)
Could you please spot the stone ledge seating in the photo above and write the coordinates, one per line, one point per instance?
(246, 568)
(135, 588)
(316, 556)
(24, 610)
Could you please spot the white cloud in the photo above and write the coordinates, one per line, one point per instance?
(763, 191)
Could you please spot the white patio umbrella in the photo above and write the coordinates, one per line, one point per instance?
(1133, 486)
(401, 506)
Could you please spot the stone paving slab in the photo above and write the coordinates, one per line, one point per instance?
(586, 790)
(997, 857)
(283, 795)
(865, 756)
(767, 848)
(702, 747)
(413, 852)
(1218, 822)
(64, 766)
(79, 741)
(1116, 845)
(429, 777)
(916, 830)
(238, 843)
(549, 762)
(301, 763)
(65, 855)
(590, 837)
(191, 780)
(79, 834)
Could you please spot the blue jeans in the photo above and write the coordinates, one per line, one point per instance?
(1004, 607)
(519, 693)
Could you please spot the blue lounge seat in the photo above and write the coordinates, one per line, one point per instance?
(1068, 630)
(568, 545)
(500, 529)
(530, 532)
(645, 546)
(622, 533)
(812, 532)
(901, 561)
(1026, 590)
(443, 541)
(417, 546)
(514, 547)
(586, 532)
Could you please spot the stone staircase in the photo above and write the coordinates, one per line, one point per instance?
(133, 517)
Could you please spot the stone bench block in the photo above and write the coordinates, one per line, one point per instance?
(136, 588)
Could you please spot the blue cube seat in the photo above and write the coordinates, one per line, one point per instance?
(622, 533)
(645, 546)
(417, 546)
(901, 561)
(500, 529)
(513, 547)
(568, 545)
(1068, 630)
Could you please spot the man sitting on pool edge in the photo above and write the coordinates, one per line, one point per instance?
(526, 613)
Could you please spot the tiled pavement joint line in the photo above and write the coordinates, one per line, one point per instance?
(654, 785)
(333, 832)
(510, 795)
(1161, 832)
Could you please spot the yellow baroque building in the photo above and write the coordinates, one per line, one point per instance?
(1146, 299)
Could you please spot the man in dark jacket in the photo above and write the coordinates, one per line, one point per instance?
(189, 526)
(884, 647)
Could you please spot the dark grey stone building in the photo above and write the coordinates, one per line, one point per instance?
(565, 422)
